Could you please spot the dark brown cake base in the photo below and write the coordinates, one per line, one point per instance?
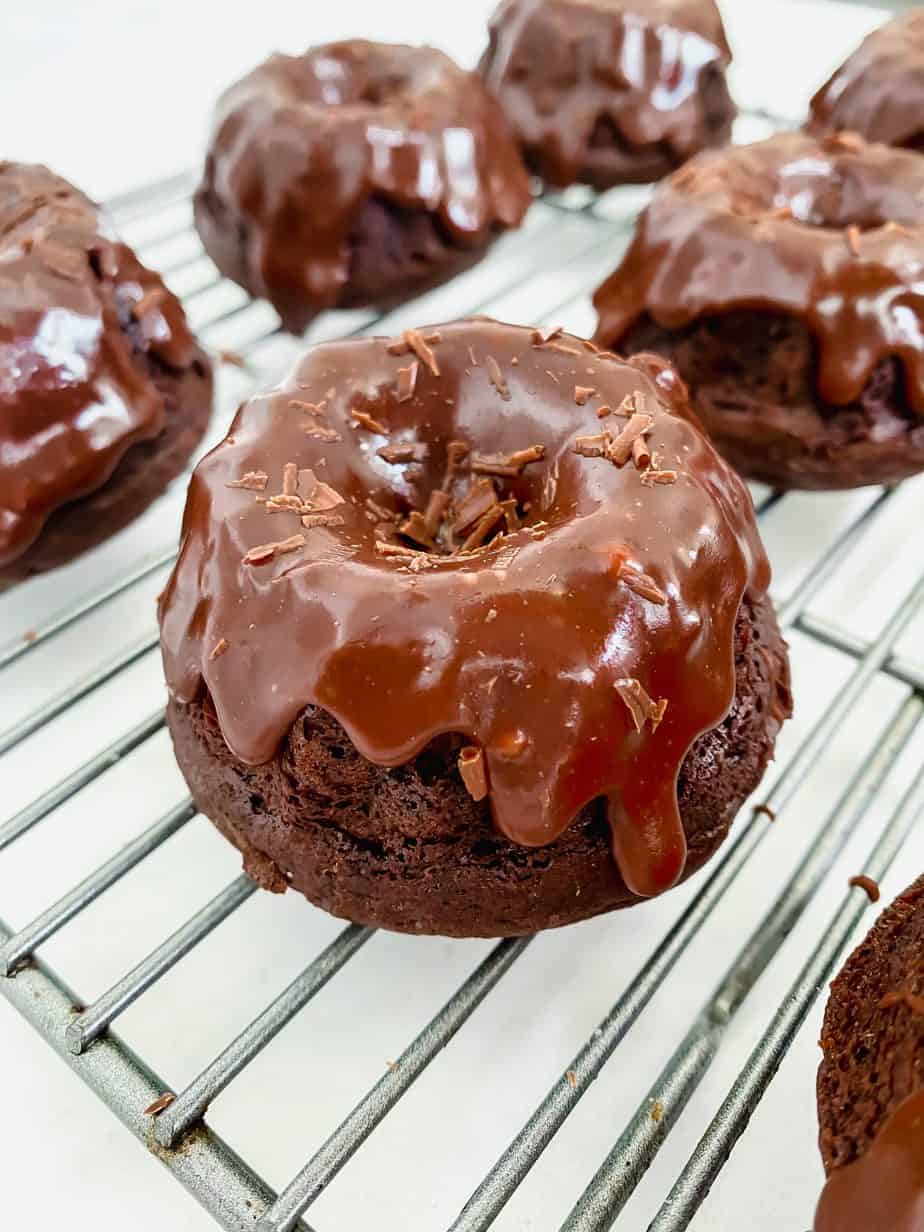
(752, 377)
(141, 476)
(610, 159)
(395, 255)
(408, 848)
(873, 1055)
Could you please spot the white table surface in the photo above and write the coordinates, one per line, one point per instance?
(116, 92)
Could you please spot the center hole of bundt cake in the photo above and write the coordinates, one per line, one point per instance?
(480, 500)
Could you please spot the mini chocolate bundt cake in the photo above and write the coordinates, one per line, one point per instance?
(104, 393)
(871, 1080)
(878, 91)
(356, 175)
(610, 92)
(469, 633)
(784, 280)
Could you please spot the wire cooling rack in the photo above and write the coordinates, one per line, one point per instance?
(626, 1056)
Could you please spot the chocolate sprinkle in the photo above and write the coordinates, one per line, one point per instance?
(218, 649)
(416, 343)
(473, 772)
(640, 706)
(397, 454)
(253, 481)
(871, 887)
(266, 552)
(621, 448)
(407, 381)
(162, 1102)
(497, 378)
(365, 420)
(641, 584)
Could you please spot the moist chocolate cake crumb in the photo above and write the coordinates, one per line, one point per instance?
(752, 378)
(366, 843)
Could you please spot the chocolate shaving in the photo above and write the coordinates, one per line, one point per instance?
(396, 549)
(365, 420)
(317, 433)
(641, 454)
(397, 454)
(318, 409)
(852, 235)
(437, 506)
(415, 527)
(641, 584)
(620, 450)
(562, 348)
(284, 503)
(232, 358)
(544, 337)
(640, 706)
(862, 882)
(266, 552)
(456, 453)
(583, 394)
(653, 476)
(473, 357)
(162, 1102)
(253, 481)
(417, 343)
(483, 529)
(289, 479)
(497, 378)
(507, 466)
(218, 649)
(318, 496)
(473, 772)
(511, 516)
(474, 505)
(311, 521)
(603, 412)
(593, 446)
(765, 809)
(407, 381)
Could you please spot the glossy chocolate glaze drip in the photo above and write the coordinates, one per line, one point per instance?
(879, 90)
(829, 232)
(883, 1190)
(72, 401)
(581, 652)
(301, 144)
(560, 67)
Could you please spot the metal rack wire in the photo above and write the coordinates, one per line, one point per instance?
(580, 235)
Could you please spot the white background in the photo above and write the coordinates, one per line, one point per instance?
(116, 92)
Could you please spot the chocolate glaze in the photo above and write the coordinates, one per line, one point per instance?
(561, 67)
(879, 90)
(302, 143)
(72, 401)
(883, 1190)
(829, 232)
(531, 646)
